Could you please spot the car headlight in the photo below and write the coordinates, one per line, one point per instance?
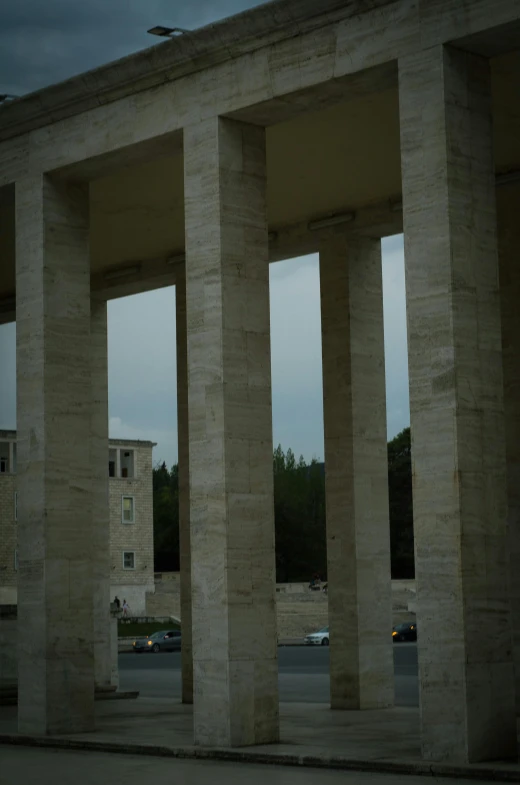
(394, 633)
(149, 643)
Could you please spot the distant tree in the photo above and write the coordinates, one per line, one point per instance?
(401, 505)
(166, 518)
(299, 514)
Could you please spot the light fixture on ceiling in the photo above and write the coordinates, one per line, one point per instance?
(331, 220)
(507, 178)
(122, 272)
(167, 32)
(180, 258)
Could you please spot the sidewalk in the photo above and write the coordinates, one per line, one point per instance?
(47, 767)
(385, 741)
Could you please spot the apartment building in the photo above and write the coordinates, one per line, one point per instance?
(131, 520)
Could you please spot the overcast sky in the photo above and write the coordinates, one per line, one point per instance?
(45, 41)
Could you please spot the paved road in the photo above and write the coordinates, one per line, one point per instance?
(303, 674)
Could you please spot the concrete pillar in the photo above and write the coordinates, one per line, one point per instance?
(356, 475)
(184, 487)
(55, 607)
(115, 613)
(8, 662)
(100, 505)
(230, 435)
(457, 412)
(508, 204)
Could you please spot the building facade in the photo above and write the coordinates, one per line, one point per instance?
(131, 521)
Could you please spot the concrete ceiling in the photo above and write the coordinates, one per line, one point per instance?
(341, 157)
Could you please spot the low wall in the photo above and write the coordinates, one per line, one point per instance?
(299, 610)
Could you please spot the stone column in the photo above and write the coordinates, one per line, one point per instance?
(55, 607)
(230, 435)
(356, 475)
(457, 412)
(184, 487)
(100, 506)
(508, 203)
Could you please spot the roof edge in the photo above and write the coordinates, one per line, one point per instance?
(215, 43)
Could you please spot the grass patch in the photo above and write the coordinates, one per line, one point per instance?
(135, 630)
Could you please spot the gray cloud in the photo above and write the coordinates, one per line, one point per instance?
(47, 41)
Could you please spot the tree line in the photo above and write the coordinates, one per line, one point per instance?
(299, 513)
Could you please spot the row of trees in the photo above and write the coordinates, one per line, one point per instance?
(299, 511)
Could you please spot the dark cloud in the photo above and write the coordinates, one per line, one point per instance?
(46, 41)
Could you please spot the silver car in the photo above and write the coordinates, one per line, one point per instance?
(165, 640)
(320, 638)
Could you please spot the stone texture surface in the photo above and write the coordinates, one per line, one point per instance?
(457, 414)
(184, 487)
(230, 435)
(8, 530)
(508, 203)
(55, 581)
(114, 646)
(356, 475)
(100, 507)
(267, 63)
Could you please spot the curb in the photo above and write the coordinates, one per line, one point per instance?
(273, 759)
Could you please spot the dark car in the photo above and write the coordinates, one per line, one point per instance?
(405, 632)
(165, 640)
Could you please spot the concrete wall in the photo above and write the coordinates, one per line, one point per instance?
(299, 610)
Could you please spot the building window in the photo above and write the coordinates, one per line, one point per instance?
(121, 463)
(127, 509)
(127, 463)
(16, 559)
(112, 463)
(4, 458)
(128, 560)
(16, 505)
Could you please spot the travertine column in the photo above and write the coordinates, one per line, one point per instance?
(508, 204)
(356, 475)
(184, 486)
(457, 412)
(100, 507)
(230, 433)
(55, 608)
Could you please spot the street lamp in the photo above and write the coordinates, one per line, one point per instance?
(167, 32)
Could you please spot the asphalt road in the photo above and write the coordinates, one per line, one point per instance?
(303, 674)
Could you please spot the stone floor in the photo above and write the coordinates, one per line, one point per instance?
(48, 767)
(311, 734)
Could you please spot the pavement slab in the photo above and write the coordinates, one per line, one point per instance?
(384, 741)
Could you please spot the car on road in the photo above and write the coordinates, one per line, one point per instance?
(407, 631)
(165, 640)
(320, 638)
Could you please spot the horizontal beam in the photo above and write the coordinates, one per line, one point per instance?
(285, 242)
